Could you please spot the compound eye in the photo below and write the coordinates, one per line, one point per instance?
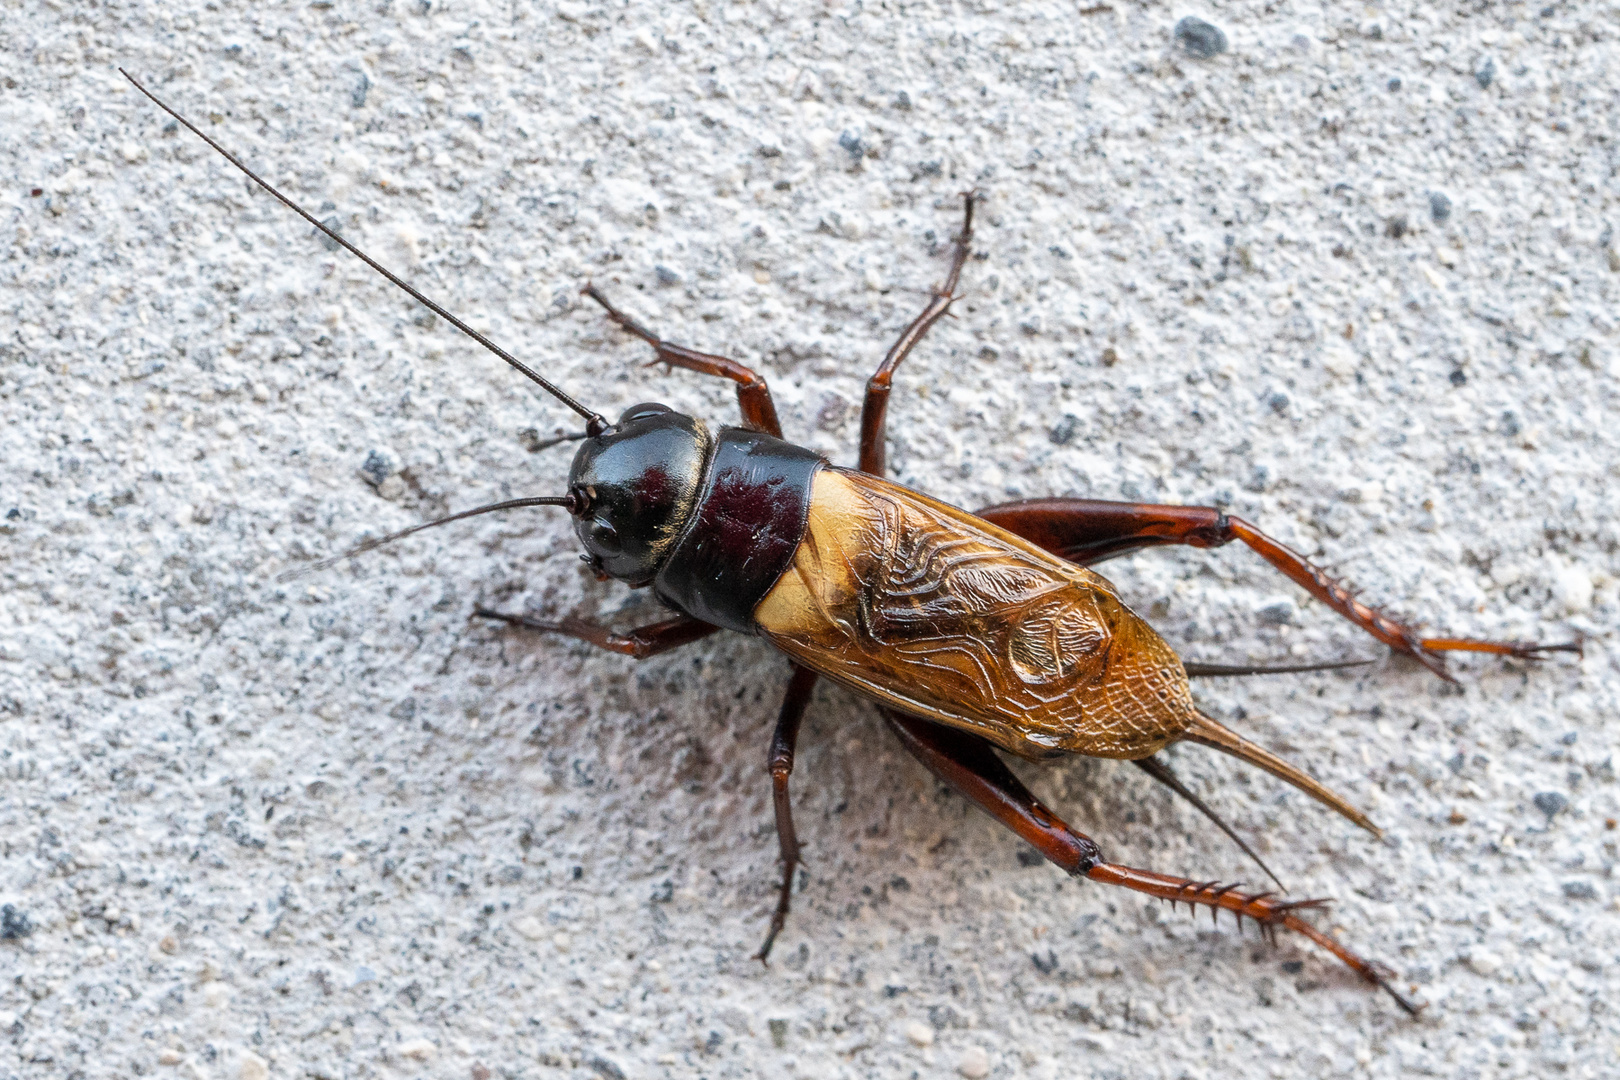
(605, 537)
(643, 411)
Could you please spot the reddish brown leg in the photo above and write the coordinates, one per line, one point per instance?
(1088, 531)
(969, 764)
(753, 397)
(875, 411)
(642, 642)
(780, 763)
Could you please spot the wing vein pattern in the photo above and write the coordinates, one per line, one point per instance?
(942, 614)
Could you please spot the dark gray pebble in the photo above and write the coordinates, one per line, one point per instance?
(378, 467)
(1439, 206)
(1280, 613)
(14, 924)
(1550, 802)
(1580, 890)
(1198, 38)
(1485, 73)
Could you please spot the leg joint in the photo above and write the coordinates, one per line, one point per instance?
(1217, 533)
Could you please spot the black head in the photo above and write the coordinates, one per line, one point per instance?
(634, 486)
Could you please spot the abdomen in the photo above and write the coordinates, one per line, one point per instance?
(945, 616)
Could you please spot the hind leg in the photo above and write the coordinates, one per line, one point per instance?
(875, 409)
(968, 764)
(1087, 531)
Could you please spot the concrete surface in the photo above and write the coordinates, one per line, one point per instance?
(332, 828)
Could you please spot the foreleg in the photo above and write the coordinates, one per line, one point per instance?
(642, 642)
(753, 396)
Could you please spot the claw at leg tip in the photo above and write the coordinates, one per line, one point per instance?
(1410, 1007)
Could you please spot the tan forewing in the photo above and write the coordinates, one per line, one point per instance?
(941, 614)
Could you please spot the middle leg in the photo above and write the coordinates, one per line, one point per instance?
(783, 744)
(969, 764)
(875, 410)
(1087, 531)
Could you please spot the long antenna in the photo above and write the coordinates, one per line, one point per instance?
(569, 502)
(593, 421)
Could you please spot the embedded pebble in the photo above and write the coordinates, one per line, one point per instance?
(530, 927)
(1200, 39)
(1573, 587)
(378, 466)
(1279, 611)
(975, 1063)
(252, 1067)
(920, 1034)
(14, 923)
(418, 1049)
(1550, 803)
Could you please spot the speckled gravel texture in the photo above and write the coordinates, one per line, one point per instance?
(1355, 278)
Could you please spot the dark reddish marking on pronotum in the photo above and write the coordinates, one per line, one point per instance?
(750, 517)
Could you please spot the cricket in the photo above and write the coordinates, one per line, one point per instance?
(974, 633)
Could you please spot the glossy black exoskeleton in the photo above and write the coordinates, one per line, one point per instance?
(633, 488)
(710, 521)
